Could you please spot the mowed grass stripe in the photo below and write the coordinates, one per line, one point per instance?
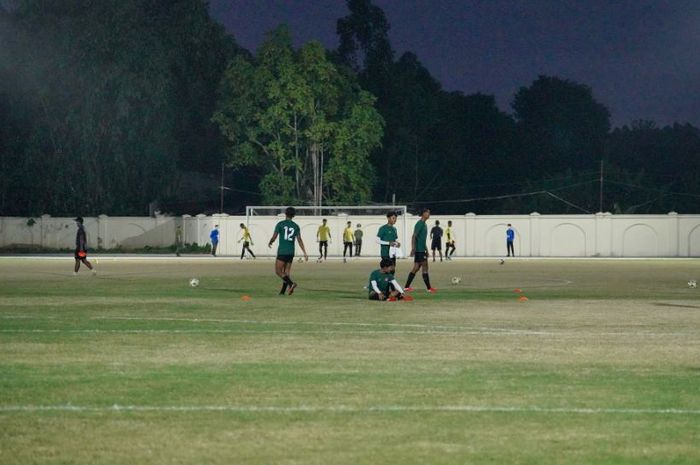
(345, 409)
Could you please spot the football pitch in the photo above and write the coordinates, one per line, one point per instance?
(601, 364)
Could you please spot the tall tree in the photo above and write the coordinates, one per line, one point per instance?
(293, 112)
(561, 125)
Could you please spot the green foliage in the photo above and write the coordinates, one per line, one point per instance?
(105, 102)
(107, 106)
(290, 112)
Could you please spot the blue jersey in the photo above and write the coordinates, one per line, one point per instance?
(510, 235)
(214, 236)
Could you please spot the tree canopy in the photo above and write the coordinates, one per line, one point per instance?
(107, 107)
(292, 112)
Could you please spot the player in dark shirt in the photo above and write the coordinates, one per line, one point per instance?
(436, 237)
(419, 250)
(288, 232)
(81, 248)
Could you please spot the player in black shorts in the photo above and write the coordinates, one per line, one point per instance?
(81, 248)
(287, 231)
(436, 239)
(420, 252)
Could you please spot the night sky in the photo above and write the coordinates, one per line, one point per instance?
(639, 56)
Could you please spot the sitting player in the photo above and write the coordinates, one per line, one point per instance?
(383, 285)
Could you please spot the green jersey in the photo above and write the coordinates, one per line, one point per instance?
(383, 280)
(287, 231)
(421, 233)
(387, 233)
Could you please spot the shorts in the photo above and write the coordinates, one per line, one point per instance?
(246, 244)
(374, 296)
(285, 258)
(78, 254)
(393, 260)
(323, 243)
(436, 245)
(420, 257)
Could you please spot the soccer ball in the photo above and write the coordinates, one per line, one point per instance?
(692, 284)
(194, 282)
(456, 280)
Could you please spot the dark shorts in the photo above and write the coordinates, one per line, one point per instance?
(393, 260)
(78, 257)
(323, 243)
(436, 245)
(421, 257)
(374, 296)
(246, 244)
(285, 258)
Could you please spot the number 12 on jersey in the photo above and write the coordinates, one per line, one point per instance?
(289, 233)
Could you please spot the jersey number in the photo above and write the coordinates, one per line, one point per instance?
(288, 233)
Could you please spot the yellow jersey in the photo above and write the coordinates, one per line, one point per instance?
(348, 235)
(448, 234)
(246, 235)
(324, 233)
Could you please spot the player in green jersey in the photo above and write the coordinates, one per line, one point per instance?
(419, 250)
(287, 231)
(387, 237)
(383, 285)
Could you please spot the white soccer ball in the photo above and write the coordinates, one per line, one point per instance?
(692, 284)
(456, 280)
(194, 282)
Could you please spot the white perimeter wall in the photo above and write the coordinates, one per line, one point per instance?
(602, 234)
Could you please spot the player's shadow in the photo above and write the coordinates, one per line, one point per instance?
(663, 304)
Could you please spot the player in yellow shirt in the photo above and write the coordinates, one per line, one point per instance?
(450, 242)
(348, 238)
(247, 242)
(323, 236)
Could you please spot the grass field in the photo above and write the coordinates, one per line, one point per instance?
(600, 366)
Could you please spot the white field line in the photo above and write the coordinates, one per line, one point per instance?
(346, 409)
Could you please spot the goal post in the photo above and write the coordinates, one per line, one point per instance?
(370, 216)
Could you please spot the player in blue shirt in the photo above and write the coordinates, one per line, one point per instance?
(214, 236)
(510, 237)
